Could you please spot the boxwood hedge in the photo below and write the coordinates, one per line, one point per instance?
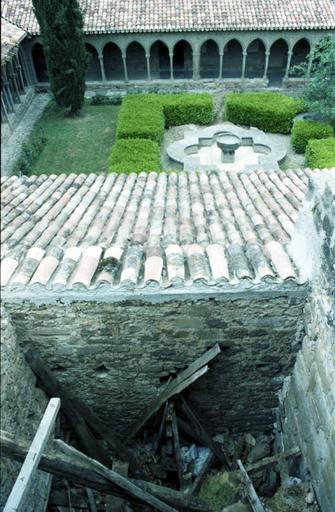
(187, 108)
(135, 155)
(303, 131)
(320, 153)
(268, 111)
(141, 117)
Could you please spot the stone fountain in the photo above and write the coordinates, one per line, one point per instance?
(228, 143)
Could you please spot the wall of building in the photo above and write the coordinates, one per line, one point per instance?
(22, 407)
(309, 395)
(115, 357)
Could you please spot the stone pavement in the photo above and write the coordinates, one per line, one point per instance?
(11, 149)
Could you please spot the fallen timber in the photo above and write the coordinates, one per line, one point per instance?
(175, 386)
(81, 469)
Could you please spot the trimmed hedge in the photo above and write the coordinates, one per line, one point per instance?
(303, 131)
(187, 108)
(141, 117)
(135, 155)
(268, 111)
(320, 153)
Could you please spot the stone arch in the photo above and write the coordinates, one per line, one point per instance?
(300, 52)
(183, 60)
(232, 60)
(40, 64)
(136, 62)
(93, 71)
(160, 60)
(277, 62)
(209, 59)
(113, 63)
(255, 63)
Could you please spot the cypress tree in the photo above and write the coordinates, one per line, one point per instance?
(61, 27)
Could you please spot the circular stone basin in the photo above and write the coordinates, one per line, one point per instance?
(228, 142)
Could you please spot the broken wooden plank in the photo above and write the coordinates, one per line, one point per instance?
(80, 416)
(77, 468)
(18, 494)
(251, 494)
(178, 384)
(91, 500)
(268, 462)
(206, 439)
(176, 445)
(195, 487)
(161, 428)
(185, 427)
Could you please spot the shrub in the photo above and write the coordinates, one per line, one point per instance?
(102, 99)
(141, 117)
(268, 111)
(135, 155)
(320, 153)
(303, 131)
(30, 152)
(187, 108)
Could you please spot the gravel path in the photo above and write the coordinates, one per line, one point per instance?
(11, 149)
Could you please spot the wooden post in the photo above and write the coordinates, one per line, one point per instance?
(253, 499)
(23, 482)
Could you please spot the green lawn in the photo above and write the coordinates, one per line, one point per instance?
(80, 144)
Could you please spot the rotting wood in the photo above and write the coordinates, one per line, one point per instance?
(78, 501)
(91, 500)
(80, 416)
(195, 487)
(177, 385)
(176, 445)
(206, 439)
(78, 469)
(251, 494)
(20, 489)
(161, 428)
(268, 462)
(185, 427)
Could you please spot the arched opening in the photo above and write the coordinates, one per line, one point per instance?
(255, 62)
(136, 62)
(113, 63)
(277, 62)
(209, 60)
(300, 53)
(40, 64)
(232, 60)
(182, 60)
(93, 72)
(159, 60)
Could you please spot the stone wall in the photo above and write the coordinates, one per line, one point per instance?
(22, 407)
(309, 395)
(116, 356)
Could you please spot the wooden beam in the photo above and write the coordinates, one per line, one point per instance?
(181, 382)
(176, 445)
(251, 494)
(267, 462)
(206, 439)
(78, 468)
(80, 416)
(17, 497)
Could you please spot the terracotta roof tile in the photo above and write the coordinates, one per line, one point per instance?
(140, 230)
(112, 16)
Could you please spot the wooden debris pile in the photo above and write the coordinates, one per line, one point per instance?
(166, 469)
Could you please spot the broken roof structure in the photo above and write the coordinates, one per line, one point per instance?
(156, 230)
(110, 16)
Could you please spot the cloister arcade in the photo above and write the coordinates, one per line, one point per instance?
(166, 58)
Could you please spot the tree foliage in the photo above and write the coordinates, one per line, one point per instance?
(319, 93)
(61, 27)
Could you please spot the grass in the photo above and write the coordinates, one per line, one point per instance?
(76, 144)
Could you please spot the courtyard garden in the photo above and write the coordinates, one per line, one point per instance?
(135, 136)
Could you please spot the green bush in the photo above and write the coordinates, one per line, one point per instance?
(320, 153)
(135, 155)
(141, 117)
(102, 99)
(268, 111)
(30, 152)
(187, 108)
(303, 131)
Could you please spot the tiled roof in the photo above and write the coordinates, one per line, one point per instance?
(139, 230)
(188, 15)
(11, 36)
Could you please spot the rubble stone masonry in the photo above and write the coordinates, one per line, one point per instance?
(309, 395)
(22, 408)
